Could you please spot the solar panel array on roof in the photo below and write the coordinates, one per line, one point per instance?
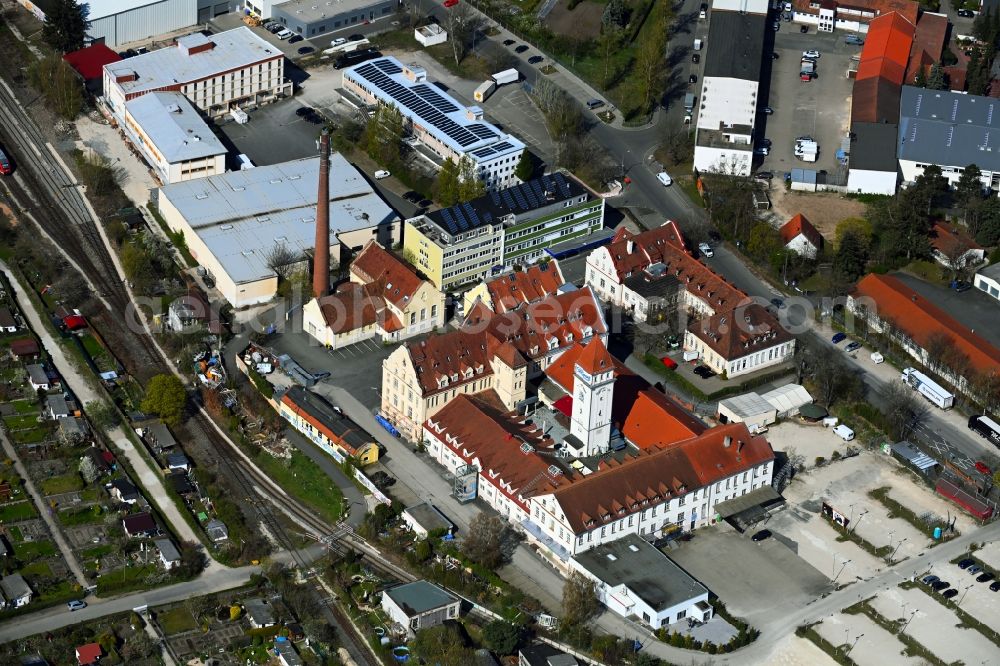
(427, 104)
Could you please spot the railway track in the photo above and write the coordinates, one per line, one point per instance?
(42, 191)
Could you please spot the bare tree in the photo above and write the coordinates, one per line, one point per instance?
(281, 259)
(489, 540)
(579, 602)
(462, 24)
(953, 250)
(936, 346)
(902, 409)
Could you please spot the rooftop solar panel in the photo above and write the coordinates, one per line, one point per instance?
(507, 199)
(472, 214)
(494, 197)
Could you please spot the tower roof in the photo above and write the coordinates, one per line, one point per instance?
(595, 359)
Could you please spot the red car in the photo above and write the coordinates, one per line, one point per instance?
(5, 165)
(669, 362)
(450, 3)
(983, 469)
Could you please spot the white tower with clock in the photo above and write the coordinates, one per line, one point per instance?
(593, 387)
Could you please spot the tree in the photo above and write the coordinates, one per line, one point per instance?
(579, 599)
(462, 24)
(447, 185)
(59, 83)
(501, 636)
(281, 259)
(66, 24)
(861, 227)
(525, 166)
(649, 66)
(235, 611)
(609, 44)
(470, 185)
(851, 259)
(384, 135)
(488, 540)
(165, 396)
(936, 79)
(442, 645)
(764, 241)
(102, 415)
(902, 410)
(614, 14)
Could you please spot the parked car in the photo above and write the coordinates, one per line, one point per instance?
(692, 79)
(412, 197)
(854, 39)
(995, 586)
(776, 26)
(5, 166)
(534, 60)
(761, 150)
(695, 58)
(985, 577)
(763, 175)
(940, 585)
(704, 371)
(966, 563)
(982, 468)
(760, 536)
(339, 41)
(508, 42)
(803, 28)
(778, 303)
(966, 13)
(949, 594)
(450, 3)
(775, 56)
(929, 580)
(852, 347)
(673, 341)
(382, 173)
(521, 49)
(669, 363)
(767, 110)
(765, 142)
(357, 38)
(303, 50)
(844, 432)
(960, 286)
(877, 358)
(811, 53)
(294, 39)
(706, 249)
(664, 179)
(284, 33)
(838, 337)
(974, 569)
(76, 605)
(595, 103)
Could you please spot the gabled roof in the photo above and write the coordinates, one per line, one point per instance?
(945, 238)
(89, 654)
(620, 489)
(882, 69)
(479, 428)
(740, 332)
(863, 11)
(800, 225)
(928, 43)
(139, 522)
(350, 307)
(449, 354)
(6, 318)
(419, 597)
(920, 319)
(24, 347)
(514, 289)
(391, 278)
(322, 416)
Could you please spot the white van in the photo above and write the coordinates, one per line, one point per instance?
(877, 358)
(844, 432)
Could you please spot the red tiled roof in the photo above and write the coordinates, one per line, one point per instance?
(90, 61)
(946, 237)
(478, 428)
(920, 319)
(351, 307)
(390, 277)
(644, 415)
(620, 489)
(800, 225)
(24, 347)
(882, 69)
(928, 43)
(89, 654)
(595, 359)
(448, 354)
(514, 289)
(740, 332)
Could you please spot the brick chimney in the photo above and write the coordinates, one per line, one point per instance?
(321, 254)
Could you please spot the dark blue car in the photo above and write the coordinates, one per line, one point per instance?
(838, 338)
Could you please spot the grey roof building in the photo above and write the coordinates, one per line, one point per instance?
(260, 612)
(157, 434)
(16, 591)
(424, 518)
(419, 605)
(310, 18)
(37, 376)
(736, 58)
(169, 554)
(635, 579)
(232, 221)
(543, 654)
(216, 530)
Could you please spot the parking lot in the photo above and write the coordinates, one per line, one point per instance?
(753, 579)
(819, 108)
(979, 600)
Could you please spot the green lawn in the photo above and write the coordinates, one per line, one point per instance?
(32, 436)
(15, 534)
(83, 516)
(176, 620)
(31, 550)
(96, 552)
(62, 484)
(36, 568)
(24, 406)
(91, 344)
(304, 480)
(124, 580)
(11, 513)
(21, 421)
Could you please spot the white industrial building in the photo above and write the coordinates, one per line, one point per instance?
(442, 124)
(727, 109)
(951, 130)
(634, 579)
(227, 70)
(988, 281)
(171, 135)
(232, 221)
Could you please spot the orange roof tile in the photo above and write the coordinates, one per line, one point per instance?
(449, 355)
(350, 307)
(510, 291)
(394, 280)
(740, 332)
(946, 237)
(920, 319)
(928, 43)
(887, 47)
(595, 359)
(800, 225)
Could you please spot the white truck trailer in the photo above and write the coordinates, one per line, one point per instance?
(928, 388)
(484, 90)
(506, 76)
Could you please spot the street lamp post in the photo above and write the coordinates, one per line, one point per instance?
(842, 567)
(907, 623)
(893, 554)
(860, 636)
(860, 517)
(962, 598)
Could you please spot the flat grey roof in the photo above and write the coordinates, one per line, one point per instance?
(419, 597)
(241, 215)
(750, 501)
(234, 49)
(428, 517)
(434, 110)
(747, 405)
(991, 271)
(873, 146)
(308, 11)
(174, 126)
(735, 45)
(648, 573)
(167, 549)
(951, 129)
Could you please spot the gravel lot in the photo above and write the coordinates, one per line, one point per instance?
(874, 647)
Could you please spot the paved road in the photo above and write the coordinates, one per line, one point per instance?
(45, 511)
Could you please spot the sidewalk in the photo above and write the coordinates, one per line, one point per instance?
(149, 477)
(45, 511)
